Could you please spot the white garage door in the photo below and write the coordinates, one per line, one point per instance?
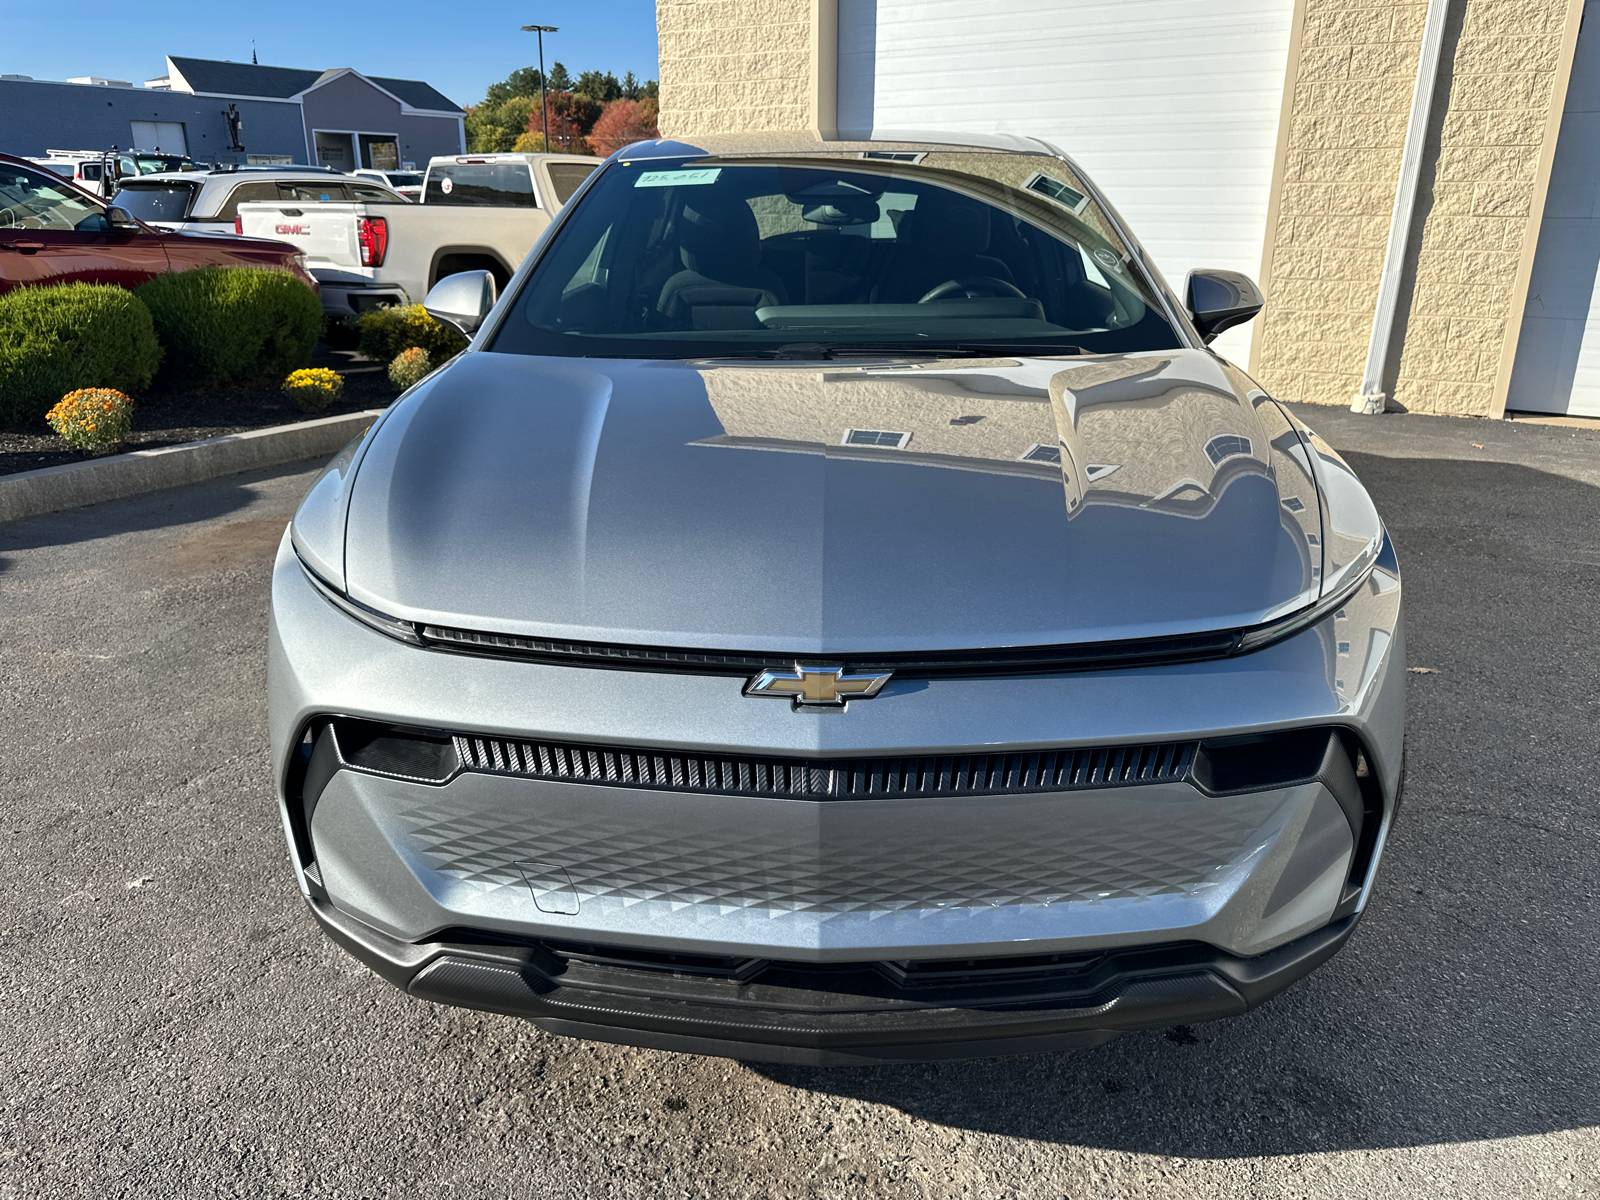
(1558, 353)
(166, 136)
(1171, 105)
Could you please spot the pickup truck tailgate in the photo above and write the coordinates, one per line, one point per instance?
(325, 232)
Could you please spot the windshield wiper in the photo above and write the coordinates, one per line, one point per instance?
(802, 351)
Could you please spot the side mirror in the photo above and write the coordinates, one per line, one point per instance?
(121, 219)
(462, 301)
(1219, 300)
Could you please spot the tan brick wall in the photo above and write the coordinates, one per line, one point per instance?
(1465, 295)
(1347, 130)
(730, 66)
(1350, 106)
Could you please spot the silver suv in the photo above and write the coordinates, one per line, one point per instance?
(839, 610)
(209, 200)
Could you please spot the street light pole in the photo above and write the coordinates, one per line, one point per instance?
(544, 111)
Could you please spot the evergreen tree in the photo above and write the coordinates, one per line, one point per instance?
(603, 88)
(560, 81)
(524, 81)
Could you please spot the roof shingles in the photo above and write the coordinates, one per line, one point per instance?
(283, 83)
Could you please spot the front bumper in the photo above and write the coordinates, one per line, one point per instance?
(856, 1015)
(1225, 891)
(345, 299)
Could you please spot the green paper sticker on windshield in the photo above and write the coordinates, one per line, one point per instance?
(678, 178)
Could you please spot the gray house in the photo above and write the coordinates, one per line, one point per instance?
(228, 112)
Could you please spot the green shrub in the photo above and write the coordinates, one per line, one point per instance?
(221, 323)
(55, 340)
(409, 368)
(385, 332)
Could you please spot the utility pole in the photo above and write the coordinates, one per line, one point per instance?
(544, 112)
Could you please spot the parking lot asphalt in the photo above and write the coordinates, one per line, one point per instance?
(175, 1025)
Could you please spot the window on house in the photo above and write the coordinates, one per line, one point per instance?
(875, 437)
(1041, 454)
(1072, 199)
(1225, 446)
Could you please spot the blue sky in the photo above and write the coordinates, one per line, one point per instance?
(459, 47)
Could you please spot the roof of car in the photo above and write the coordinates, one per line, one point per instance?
(811, 142)
(254, 175)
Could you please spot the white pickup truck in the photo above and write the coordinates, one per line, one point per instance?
(479, 212)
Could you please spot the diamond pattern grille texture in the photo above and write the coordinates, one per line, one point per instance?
(725, 852)
(833, 779)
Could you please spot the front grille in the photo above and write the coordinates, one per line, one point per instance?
(1089, 656)
(832, 779)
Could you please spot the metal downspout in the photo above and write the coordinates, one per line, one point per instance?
(1372, 398)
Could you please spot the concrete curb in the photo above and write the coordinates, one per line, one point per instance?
(30, 493)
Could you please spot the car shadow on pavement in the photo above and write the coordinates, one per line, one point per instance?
(1464, 1007)
(167, 509)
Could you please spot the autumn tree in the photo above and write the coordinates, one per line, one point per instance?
(508, 117)
(571, 116)
(493, 128)
(623, 122)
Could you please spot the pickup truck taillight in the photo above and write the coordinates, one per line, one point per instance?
(238, 225)
(373, 235)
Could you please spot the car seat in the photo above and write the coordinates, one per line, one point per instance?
(723, 282)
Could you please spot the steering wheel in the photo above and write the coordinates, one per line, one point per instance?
(974, 287)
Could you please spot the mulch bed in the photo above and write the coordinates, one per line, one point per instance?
(170, 418)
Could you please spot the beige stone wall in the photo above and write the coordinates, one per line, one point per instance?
(1346, 132)
(1465, 298)
(729, 66)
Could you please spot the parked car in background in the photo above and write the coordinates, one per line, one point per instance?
(52, 231)
(208, 201)
(478, 213)
(101, 171)
(839, 610)
(407, 183)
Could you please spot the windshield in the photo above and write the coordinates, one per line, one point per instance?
(40, 200)
(402, 179)
(154, 164)
(156, 201)
(707, 257)
(504, 185)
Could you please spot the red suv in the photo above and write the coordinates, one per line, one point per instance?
(52, 231)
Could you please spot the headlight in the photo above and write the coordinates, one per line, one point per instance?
(1285, 627)
(393, 627)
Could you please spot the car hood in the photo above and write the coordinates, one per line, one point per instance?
(835, 508)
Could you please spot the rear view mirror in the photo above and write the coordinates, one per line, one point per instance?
(1219, 300)
(462, 301)
(121, 218)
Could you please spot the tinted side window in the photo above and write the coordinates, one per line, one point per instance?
(566, 178)
(313, 190)
(245, 192)
(371, 194)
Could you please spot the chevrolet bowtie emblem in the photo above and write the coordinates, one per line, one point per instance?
(817, 685)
